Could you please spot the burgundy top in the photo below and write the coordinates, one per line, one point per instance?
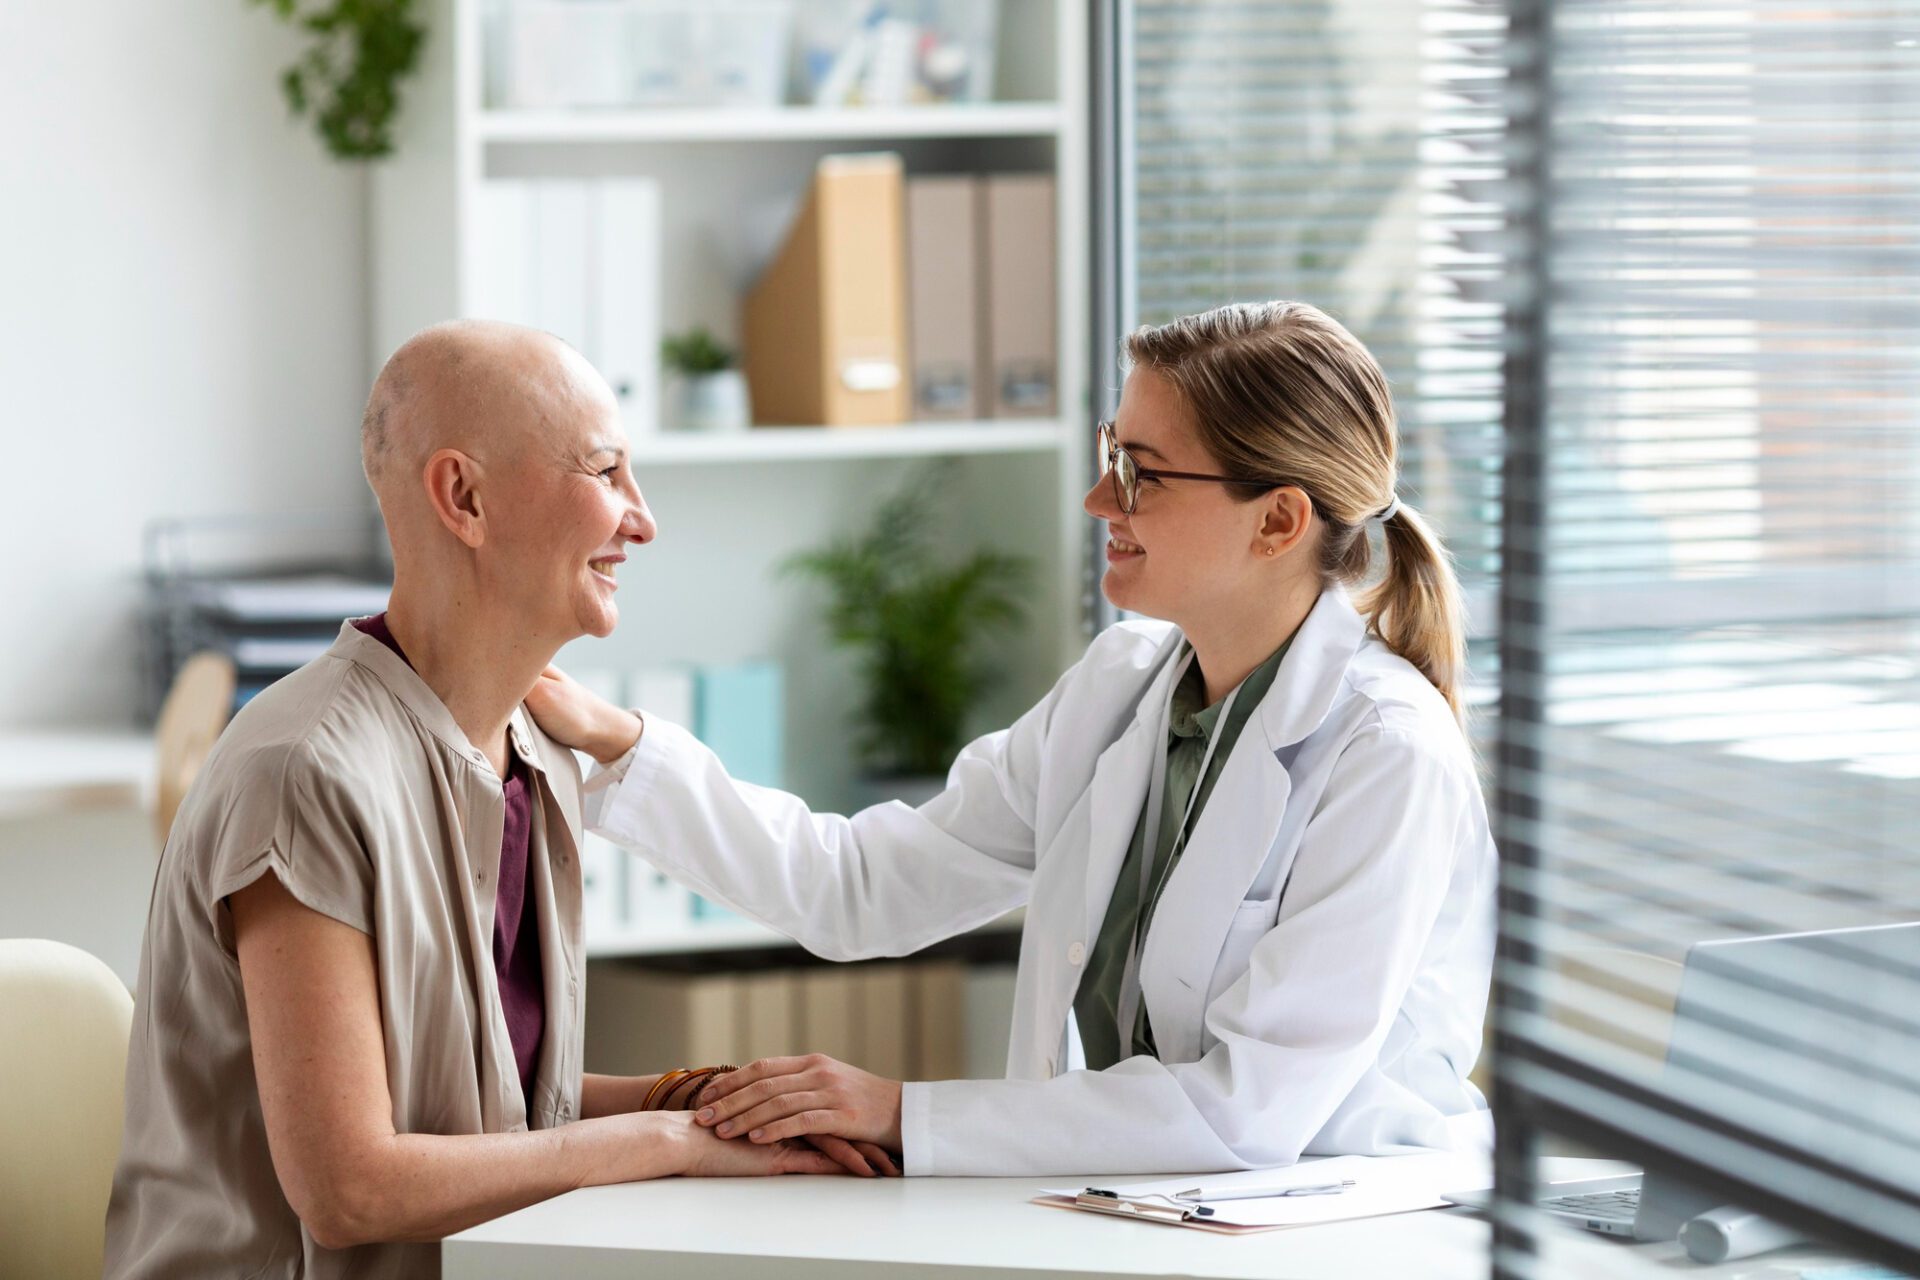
(516, 931)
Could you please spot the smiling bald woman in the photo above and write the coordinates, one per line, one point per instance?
(358, 1021)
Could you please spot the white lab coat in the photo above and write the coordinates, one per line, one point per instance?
(1317, 968)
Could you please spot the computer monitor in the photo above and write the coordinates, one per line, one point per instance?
(1810, 1038)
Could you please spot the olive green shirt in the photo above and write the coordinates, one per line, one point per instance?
(1191, 724)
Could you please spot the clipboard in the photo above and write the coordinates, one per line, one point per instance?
(1144, 1211)
(1381, 1185)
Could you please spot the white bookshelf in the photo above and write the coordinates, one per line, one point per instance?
(828, 444)
(986, 120)
(730, 507)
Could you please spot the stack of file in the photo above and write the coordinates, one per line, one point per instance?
(895, 298)
(736, 709)
(268, 626)
(580, 260)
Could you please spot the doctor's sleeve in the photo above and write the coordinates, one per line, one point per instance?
(885, 881)
(1296, 1033)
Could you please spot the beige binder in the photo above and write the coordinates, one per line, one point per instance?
(825, 325)
(885, 1022)
(940, 1015)
(943, 296)
(641, 1021)
(827, 1012)
(767, 1018)
(1021, 357)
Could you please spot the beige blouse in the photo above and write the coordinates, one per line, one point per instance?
(350, 781)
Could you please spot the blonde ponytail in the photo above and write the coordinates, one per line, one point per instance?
(1415, 607)
(1281, 389)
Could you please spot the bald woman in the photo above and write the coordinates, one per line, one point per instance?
(359, 1008)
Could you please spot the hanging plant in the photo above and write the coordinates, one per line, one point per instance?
(349, 79)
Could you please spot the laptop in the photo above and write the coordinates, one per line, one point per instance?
(1753, 1035)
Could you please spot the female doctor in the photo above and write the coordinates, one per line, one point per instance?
(1250, 838)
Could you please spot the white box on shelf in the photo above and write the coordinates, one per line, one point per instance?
(562, 53)
(709, 53)
(559, 54)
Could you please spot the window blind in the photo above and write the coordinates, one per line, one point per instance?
(1349, 155)
(1643, 276)
(1710, 726)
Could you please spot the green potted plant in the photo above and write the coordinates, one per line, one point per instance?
(706, 391)
(349, 77)
(919, 622)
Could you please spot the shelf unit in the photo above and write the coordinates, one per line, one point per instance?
(733, 507)
(987, 120)
(827, 444)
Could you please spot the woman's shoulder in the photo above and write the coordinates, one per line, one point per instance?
(1392, 699)
(1132, 644)
(319, 738)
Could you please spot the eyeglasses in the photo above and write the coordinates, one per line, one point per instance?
(1127, 474)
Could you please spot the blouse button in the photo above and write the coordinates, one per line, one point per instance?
(1076, 953)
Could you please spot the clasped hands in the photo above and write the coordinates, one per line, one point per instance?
(850, 1115)
(812, 1097)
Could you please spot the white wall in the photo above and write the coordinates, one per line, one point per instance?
(182, 317)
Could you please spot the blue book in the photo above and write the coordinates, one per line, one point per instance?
(738, 713)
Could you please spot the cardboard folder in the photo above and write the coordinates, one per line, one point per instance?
(825, 325)
(943, 295)
(1017, 220)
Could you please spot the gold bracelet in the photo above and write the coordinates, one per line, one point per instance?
(696, 1081)
(671, 1080)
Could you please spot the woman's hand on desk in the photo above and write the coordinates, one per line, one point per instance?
(574, 716)
(779, 1098)
(711, 1157)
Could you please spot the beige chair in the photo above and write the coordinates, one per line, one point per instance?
(197, 708)
(64, 1020)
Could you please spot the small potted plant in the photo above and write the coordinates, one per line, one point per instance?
(707, 392)
(919, 622)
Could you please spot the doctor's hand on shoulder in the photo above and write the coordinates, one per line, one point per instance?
(575, 716)
(778, 1099)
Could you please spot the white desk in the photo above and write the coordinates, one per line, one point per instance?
(52, 771)
(903, 1228)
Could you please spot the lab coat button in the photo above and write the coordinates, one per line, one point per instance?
(1076, 953)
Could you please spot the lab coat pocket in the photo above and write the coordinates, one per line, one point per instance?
(1251, 921)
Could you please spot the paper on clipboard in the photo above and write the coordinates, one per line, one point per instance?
(1382, 1185)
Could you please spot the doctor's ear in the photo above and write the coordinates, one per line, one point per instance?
(1286, 516)
(452, 482)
